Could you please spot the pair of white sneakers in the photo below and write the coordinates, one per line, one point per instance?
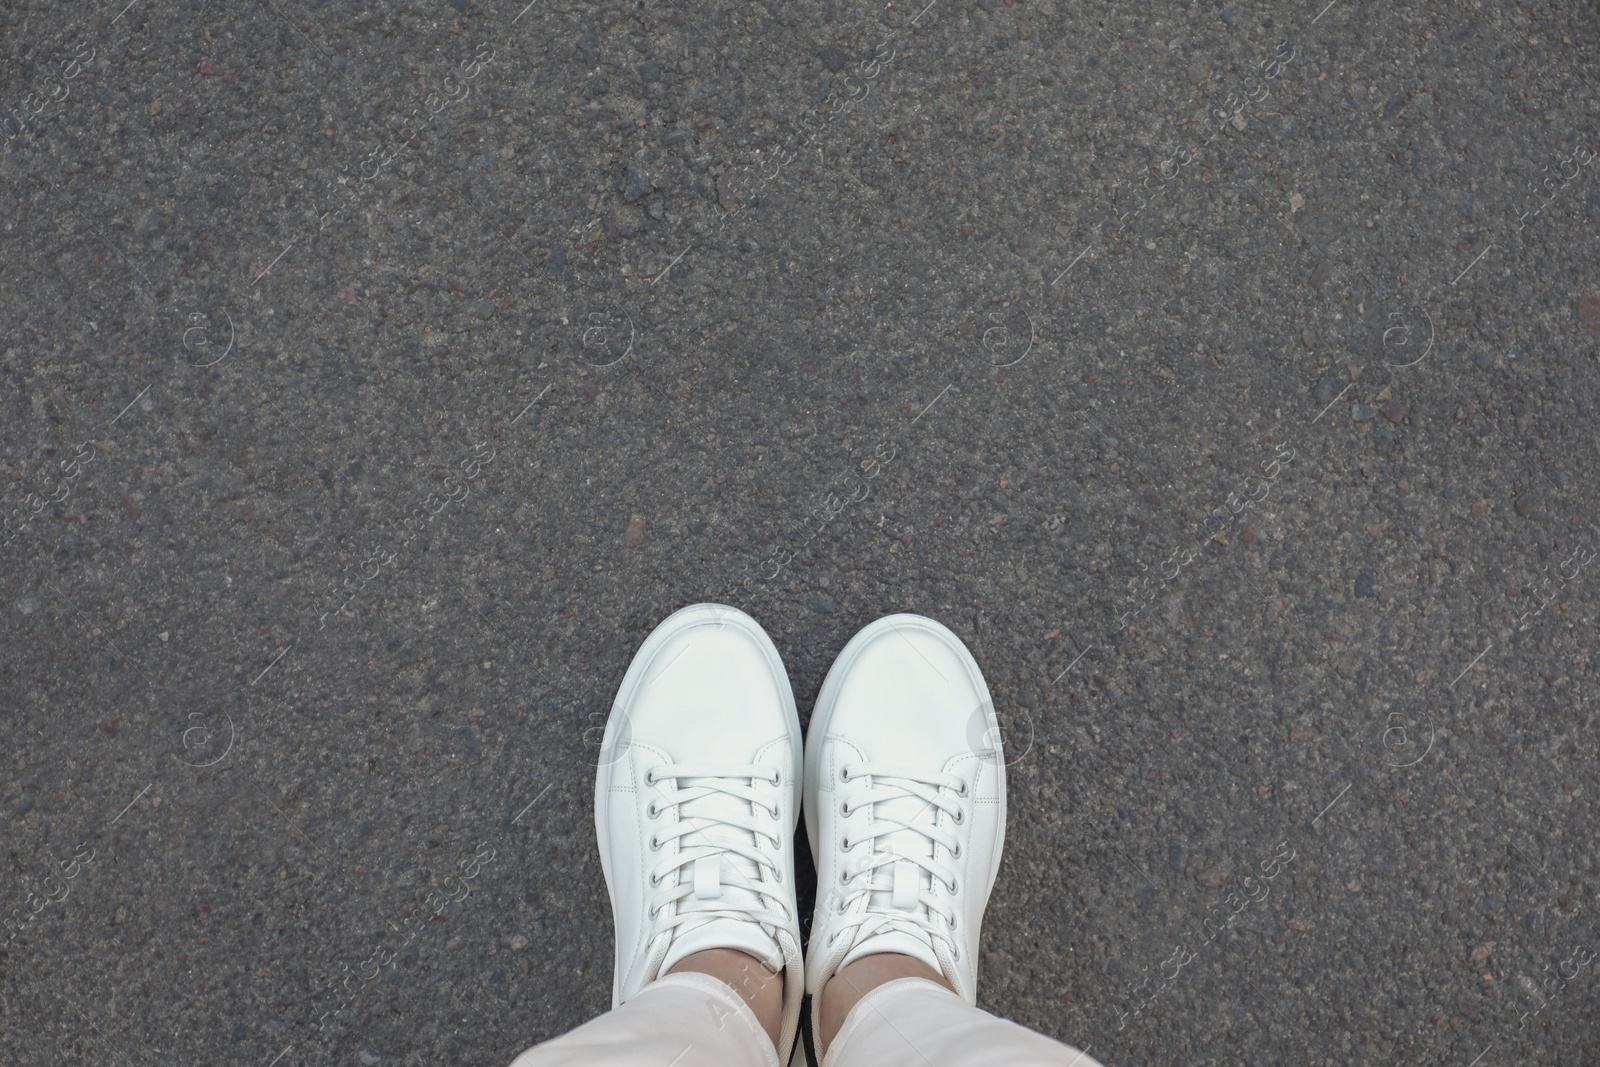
(701, 772)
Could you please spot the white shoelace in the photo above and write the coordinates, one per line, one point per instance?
(940, 792)
(761, 821)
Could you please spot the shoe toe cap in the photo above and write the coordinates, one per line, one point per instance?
(921, 697)
(714, 692)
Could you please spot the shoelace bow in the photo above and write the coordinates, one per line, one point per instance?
(762, 821)
(942, 792)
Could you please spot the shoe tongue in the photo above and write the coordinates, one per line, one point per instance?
(900, 884)
(718, 878)
(903, 881)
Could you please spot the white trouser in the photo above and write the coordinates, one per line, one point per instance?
(693, 1020)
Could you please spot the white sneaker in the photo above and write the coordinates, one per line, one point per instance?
(696, 800)
(905, 804)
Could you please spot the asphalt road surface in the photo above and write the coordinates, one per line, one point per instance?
(373, 378)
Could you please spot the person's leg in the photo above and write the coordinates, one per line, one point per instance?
(686, 1018)
(913, 1022)
(850, 984)
(759, 986)
(696, 800)
(905, 807)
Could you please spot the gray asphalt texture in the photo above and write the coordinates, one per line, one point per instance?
(374, 377)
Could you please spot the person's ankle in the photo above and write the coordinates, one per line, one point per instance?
(850, 985)
(759, 986)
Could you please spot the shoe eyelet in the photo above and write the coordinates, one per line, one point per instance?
(650, 776)
(844, 808)
(963, 790)
(654, 881)
(955, 885)
(655, 846)
(845, 844)
(955, 854)
(652, 810)
(844, 879)
(960, 818)
(956, 953)
(844, 774)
